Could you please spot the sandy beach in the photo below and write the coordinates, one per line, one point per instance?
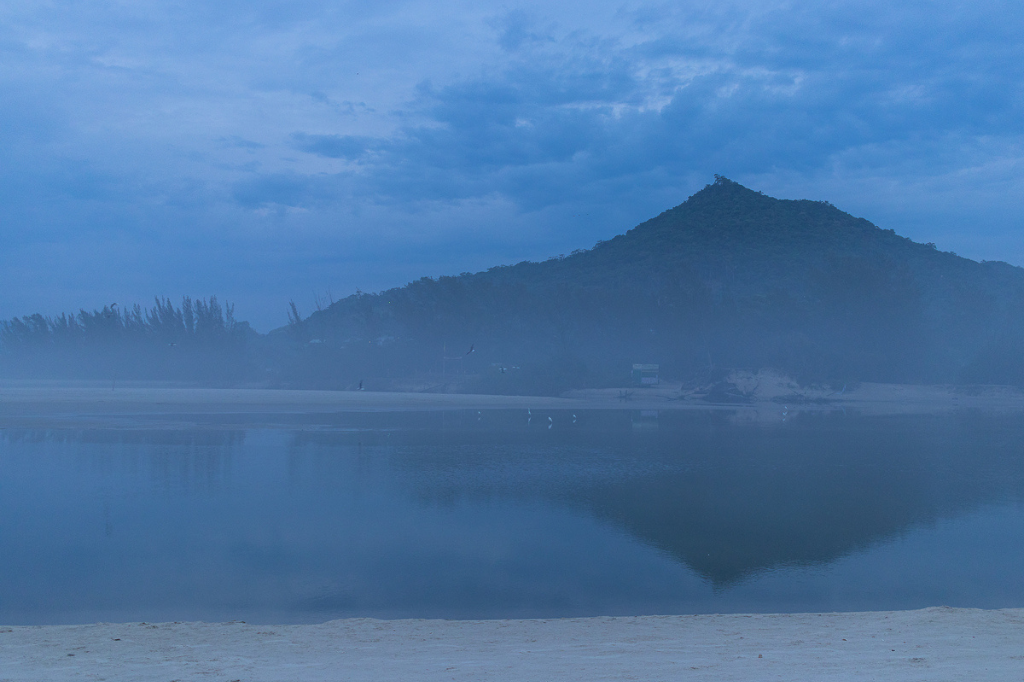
(929, 644)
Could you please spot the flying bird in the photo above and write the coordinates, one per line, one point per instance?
(471, 348)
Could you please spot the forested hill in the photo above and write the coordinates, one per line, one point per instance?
(729, 279)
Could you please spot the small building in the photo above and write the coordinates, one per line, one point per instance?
(645, 375)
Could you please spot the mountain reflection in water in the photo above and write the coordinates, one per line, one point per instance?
(494, 514)
(729, 500)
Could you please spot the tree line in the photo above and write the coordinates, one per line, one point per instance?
(731, 279)
(197, 340)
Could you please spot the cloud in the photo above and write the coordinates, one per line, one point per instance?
(282, 189)
(265, 132)
(515, 29)
(797, 91)
(349, 147)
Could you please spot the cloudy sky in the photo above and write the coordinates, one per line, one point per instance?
(265, 151)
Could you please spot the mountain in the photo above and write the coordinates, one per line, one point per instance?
(731, 278)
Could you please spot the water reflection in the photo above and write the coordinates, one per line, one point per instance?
(728, 502)
(501, 514)
(170, 459)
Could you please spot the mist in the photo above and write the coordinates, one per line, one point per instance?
(729, 280)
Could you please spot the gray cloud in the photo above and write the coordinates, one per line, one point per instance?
(333, 146)
(202, 139)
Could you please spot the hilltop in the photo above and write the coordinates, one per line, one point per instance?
(731, 278)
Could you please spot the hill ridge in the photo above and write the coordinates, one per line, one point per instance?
(729, 278)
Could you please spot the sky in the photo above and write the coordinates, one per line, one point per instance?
(265, 151)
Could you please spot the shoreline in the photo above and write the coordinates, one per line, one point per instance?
(64, 405)
(938, 643)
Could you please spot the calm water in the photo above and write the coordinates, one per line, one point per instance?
(467, 515)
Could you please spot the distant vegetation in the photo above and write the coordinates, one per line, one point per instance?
(198, 341)
(729, 279)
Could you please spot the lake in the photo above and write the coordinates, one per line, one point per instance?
(501, 514)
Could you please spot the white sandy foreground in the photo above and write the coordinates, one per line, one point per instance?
(930, 644)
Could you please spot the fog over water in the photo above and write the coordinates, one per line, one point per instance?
(493, 514)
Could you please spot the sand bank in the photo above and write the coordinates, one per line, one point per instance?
(70, 406)
(56, 404)
(930, 644)
(146, 400)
